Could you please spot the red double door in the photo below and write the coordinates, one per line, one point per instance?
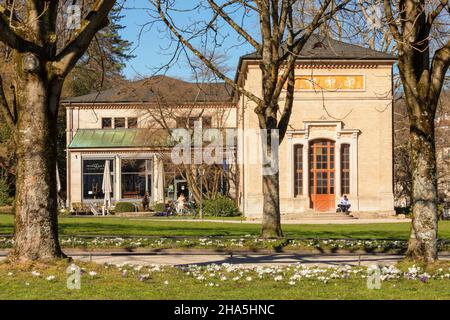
(322, 175)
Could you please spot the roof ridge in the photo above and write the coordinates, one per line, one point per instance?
(308, 53)
(356, 46)
(148, 90)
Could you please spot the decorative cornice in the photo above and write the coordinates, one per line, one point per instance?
(118, 151)
(336, 65)
(323, 123)
(337, 98)
(144, 105)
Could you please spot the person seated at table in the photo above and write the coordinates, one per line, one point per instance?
(344, 204)
(168, 208)
(145, 202)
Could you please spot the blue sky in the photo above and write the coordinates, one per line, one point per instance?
(150, 48)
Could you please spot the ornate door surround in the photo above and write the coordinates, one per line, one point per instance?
(324, 130)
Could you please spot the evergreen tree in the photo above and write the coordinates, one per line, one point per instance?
(103, 63)
(99, 68)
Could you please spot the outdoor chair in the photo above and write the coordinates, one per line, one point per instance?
(94, 210)
(80, 208)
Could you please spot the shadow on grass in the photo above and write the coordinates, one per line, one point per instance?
(168, 228)
(147, 229)
(287, 259)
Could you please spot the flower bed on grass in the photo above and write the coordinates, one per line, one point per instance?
(214, 274)
(243, 243)
(225, 281)
(217, 274)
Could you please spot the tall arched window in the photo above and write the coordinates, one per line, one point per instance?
(298, 169)
(345, 169)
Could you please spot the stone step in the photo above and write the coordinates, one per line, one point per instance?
(317, 216)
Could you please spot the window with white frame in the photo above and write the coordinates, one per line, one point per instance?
(345, 169)
(93, 172)
(136, 178)
(298, 170)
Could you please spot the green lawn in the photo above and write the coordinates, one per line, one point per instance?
(128, 227)
(18, 282)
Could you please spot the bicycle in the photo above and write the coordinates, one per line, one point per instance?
(188, 208)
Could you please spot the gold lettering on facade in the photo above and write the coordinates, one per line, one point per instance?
(320, 82)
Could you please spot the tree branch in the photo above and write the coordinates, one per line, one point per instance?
(286, 7)
(289, 101)
(439, 67)
(433, 15)
(391, 21)
(14, 103)
(234, 25)
(291, 53)
(12, 39)
(96, 20)
(6, 111)
(198, 54)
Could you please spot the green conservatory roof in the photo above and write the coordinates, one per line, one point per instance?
(119, 138)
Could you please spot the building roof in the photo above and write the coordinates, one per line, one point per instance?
(170, 91)
(324, 48)
(133, 138)
(119, 138)
(159, 89)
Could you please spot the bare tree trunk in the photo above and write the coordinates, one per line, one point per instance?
(190, 173)
(36, 233)
(40, 72)
(423, 238)
(271, 224)
(411, 24)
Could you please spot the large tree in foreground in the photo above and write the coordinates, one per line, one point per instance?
(413, 24)
(278, 41)
(41, 64)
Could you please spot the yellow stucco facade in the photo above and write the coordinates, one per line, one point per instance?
(358, 116)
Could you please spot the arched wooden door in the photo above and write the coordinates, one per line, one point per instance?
(322, 175)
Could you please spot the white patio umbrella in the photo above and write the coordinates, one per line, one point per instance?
(58, 186)
(58, 180)
(106, 187)
(159, 180)
(155, 178)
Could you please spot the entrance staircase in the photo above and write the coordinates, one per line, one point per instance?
(317, 216)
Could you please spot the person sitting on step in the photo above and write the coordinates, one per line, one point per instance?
(344, 204)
